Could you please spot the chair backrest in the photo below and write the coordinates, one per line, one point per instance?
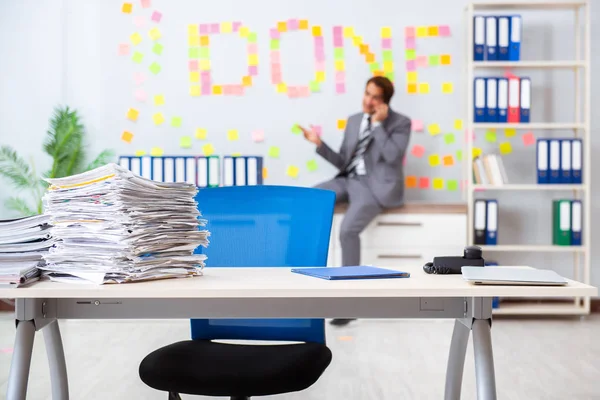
(265, 226)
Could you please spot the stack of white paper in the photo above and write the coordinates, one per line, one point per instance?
(23, 242)
(112, 226)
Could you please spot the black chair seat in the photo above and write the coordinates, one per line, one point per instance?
(202, 367)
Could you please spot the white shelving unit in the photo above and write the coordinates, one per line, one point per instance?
(580, 128)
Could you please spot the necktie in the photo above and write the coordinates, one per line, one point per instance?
(363, 142)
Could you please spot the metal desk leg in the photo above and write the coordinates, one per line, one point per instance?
(21, 361)
(56, 362)
(484, 360)
(456, 360)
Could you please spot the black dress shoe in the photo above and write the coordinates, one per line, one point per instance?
(341, 322)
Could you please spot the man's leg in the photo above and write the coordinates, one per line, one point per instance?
(339, 186)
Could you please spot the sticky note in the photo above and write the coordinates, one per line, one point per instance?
(140, 95)
(204, 41)
(423, 182)
(317, 31)
(528, 139)
(185, 142)
(274, 44)
(226, 27)
(505, 148)
(158, 118)
(281, 88)
(445, 59)
(411, 77)
(154, 33)
(411, 182)
(217, 90)
(386, 32)
(176, 122)
(137, 57)
(341, 124)
(458, 124)
(340, 65)
(205, 65)
(348, 32)
(155, 68)
(449, 138)
(411, 88)
(311, 165)
(157, 48)
(320, 76)
(123, 49)
(274, 152)
(252, 59)
(409, 43)
(258, 135)
(444, 30)
(388, 66)
(140, 153)
(200, 133)
(194, 76)
(315, 86)
(409, 31)
(127, 136)
(434, 129)
(296, 129)
(510, 132)
(139, 78)
(126, 8)
(434, 60)
(452, 185)
(447, 88)
(421, 31)
(292, 171)
(438, 183)
(146, 3)
(156, 152)
(133, 114)
(410, 54)
(252, 37)
(192, 29)
(364, 49)
(247, 81)
(418, 150)
(340, 88)
(156, 16)
(208, 149)
(244, 31)
(448, 160)
(490, 136)
(370, 58)
(282, 26)
(434, 160)
(423, 87)
(459, 155)
(303, 24)
(233, 135)
(476, 151)
(417, 125)
(422, 61)
(432, 31)
(194, 52)
(411, 65)
(135, 38)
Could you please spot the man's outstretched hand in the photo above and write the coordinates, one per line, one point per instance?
(311, 135)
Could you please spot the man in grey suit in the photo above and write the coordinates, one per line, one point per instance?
(371, 176)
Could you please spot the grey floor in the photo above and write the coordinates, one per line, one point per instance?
(373, 359)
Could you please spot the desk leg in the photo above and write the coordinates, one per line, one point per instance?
(484, 360)
(456, 360)
(56, 361)
(21, 361)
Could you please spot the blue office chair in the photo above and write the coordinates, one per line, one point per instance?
(251, 226)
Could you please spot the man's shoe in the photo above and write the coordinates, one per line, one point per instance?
(341, 322)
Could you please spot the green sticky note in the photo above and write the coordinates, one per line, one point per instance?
(387, 55)
(459, 155)
(311, 165)
(315, 86)
(176, 122)
(155, 68)
(449, 138)
(137, 57)
(296, 129)
(490, 136)
(374, 66)
(434, 60)
(338, 53)
(452, 185)
(252, 37)
(411, 54)
(275, 44)
(204, 53)
(274, 152)
(185, 142)
(157, 48)
(390, 76)
(194, 52)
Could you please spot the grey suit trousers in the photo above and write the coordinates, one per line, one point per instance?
(362, 208)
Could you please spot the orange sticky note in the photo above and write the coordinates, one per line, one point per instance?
(127, 136)
(434, 160)
(217, 89)
(127, 7)
(432, 31)
(317, 31)
(282, 26)
(303, 24)
(292, 171)
(505, 148)
(341, 124)
(204, 40)
(411, 88)
(364, 49)
(438, 183)
(370, 57)
(411, 182)
(448, 160)
(133, 114)
(445, 59)
(247, 80)
(265, 172)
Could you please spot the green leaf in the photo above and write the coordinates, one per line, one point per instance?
(64, 140)
(19, 205)
(106, 157)
(15, 169)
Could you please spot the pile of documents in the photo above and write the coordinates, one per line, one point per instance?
(112, 226)
(23, 242)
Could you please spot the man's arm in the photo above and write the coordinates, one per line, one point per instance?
(391, 145)
(335, 158)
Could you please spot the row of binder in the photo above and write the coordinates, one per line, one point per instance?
(200, 171)
(497, 38)
(485, 221)
(502, 99)
(489, 170)
(559, 161)
(567, 222)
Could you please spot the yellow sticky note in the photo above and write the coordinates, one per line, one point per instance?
(386, 32)
(226, 27)
(320, 76)
(135, 38)
(282, 26)
(421, 31)
(244, 31)
(247, 81)
(133, 114)
(476, 151)
(194, 41)
(192, 29)
(411, 77)
(388, 66)
(159, 100)
(317, 31)
(505, 148)
(185, 142)
(434, 129)
(432, 31)
(510, 132)
(158, 118)
(126, 8)
(357, 40)
(447, 88)
(217, 89)
(348, 32)
(195, 91)
(438, 183)
(201, 133)
(233, 135)
(140, 153)
(127, 137)
(434, 160)
(303, 24)
(194, 76)
(156, 152)
(458, 124)
(341, 124)
(208, 149)
(292, 171)
(423, 87)
(340, 65)
(205, 65)
(154, 33)
(252, 60)
(238, 154)
(281, 88)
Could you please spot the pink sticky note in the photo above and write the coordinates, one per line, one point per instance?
(123, 49)
(409, 31)
(205, 76)
(238, 90)
(258, 135)
(340, 76)
(410, 65)
(418, 150)
(227, 90)
(292, 24)
(340, 88)
(275, 57)
(417, 125)
(319, 41)
(7, 350)
(252, 48)
(469, 135)
(318, 129)
(139, 21)
(274, 33)
(386, 43)
(145, 3)
(203, 29)
(320, 65)
(236, 26)
(304, 91)
(528, 139)
(193, 65)
(276, 68)
(276, 78)
(139, 78)
(206, 90)
(253, 70)
(215, 28)
(140, 95)
(423, 182)
(444, 30)
(338, 32)
(409, 43)
(422, 61)
(338, 41)
(319, 54)
(156, 16)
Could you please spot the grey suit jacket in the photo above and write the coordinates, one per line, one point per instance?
(383, 157)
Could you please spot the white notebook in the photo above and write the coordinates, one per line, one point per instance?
(508, 275)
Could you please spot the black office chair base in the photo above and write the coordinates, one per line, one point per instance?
(174, 396)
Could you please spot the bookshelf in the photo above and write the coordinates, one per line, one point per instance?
(580, 128)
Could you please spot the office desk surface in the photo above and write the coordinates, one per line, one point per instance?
(219, 283)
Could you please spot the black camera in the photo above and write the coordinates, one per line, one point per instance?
(472, 256)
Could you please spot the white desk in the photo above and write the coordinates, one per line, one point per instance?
(269, 293)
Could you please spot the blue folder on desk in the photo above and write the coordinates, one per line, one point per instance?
(359, 272)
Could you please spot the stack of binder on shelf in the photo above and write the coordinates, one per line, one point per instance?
(489, 169)
(567, 222)
(559, 161)
(112, 226)
(496, 38)
(485, 220)
(242, 171)
(23, 242)
(502, 100)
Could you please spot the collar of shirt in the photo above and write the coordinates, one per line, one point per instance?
(373, 124)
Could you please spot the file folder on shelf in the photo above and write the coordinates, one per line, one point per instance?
(576, 222)
(491, 35)
(576, 161)
(478, 38)
(479, 221)
(208, 171)
(147, 167)
(503, 38)
(514, 52)
(554, 161)
(168, 169)
(502, 100)
(565, 161)
(491, 104)
(480, 100)
(561, 217)
(180, 167)
(242, 171)
(491, 223)
(543, 165)
(514, 111)
(191, 170)
(134, 164)
(525, 99)
(157, 169)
